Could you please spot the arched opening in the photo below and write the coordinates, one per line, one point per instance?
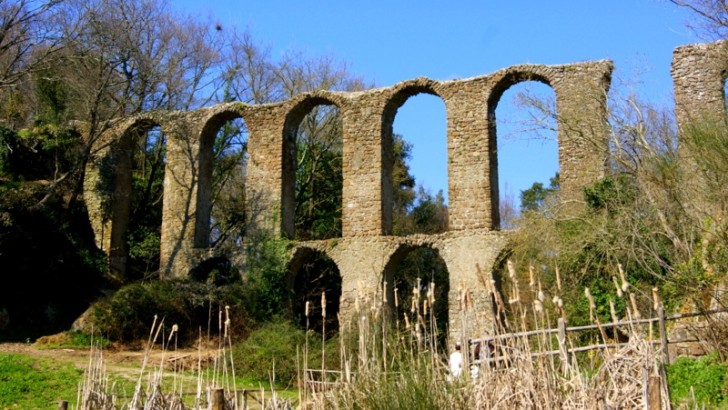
(312, 171)
(316, 285)
(527, 148)
(147, 159)
(417, 285)
(221, 202)
(417, 134)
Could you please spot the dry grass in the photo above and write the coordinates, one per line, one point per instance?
(404, 369)
(390, 362)
(169, 384)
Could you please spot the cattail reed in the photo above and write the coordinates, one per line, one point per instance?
(592, 305)
(558, 278)
(617, 286)
(625, 283)
(635, 309)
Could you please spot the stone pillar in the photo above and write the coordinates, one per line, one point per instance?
(97, 191)
(466, 255)
(270, 202)
(364, 192)
(180, 202)
(468, 168)
(698, 73)
(361, 265)
(583, 130)
(107, 190)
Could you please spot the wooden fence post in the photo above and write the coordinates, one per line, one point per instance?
(563, 350)
(63, 405)
(663, 335)
(217, 399)
(654, 396)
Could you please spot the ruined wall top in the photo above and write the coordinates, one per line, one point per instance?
(699, 73)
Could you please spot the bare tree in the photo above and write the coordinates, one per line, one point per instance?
(26, 43)
(249, 72)
(712, 17)
(139, 55)
(251, 75)
(22, 31)
(120, 58)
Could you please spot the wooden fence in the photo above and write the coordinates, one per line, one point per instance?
(243, 400)
(498, 342)
(317, 380)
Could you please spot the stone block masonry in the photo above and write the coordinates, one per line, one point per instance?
(366, 248)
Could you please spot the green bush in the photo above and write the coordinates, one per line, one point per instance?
(278, 346)
(127, 316)
(706, 376)
(266, 290)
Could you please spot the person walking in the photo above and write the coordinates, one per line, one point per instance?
(456, 361)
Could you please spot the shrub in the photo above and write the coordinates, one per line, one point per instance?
(706, 376)
(278, 347)
(266, 290)
(128, 315)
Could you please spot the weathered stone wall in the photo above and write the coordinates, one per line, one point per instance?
(364, 262)
(365, 251)
(107, 185)
(699, 73)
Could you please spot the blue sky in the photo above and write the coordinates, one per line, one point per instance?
(386, 42)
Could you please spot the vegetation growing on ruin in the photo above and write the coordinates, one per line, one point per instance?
(653, 223)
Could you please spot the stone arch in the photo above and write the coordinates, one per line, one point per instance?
(403, 282)
(217, 270)
(311, 272)
(300, 107)
(107, 186)
(508, 80)
(211, 126)
(581, 119)
(400, 94)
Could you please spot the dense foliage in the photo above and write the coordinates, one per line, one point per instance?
(128, 314)
(276, 352)
(702, 380)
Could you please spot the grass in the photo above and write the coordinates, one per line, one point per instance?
(40, 383)
(382, 366)
(162, 383)
(702, 380)
(28, 383)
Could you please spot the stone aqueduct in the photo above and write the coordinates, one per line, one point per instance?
(366, 250)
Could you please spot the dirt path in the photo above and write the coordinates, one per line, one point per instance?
(122, 362)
